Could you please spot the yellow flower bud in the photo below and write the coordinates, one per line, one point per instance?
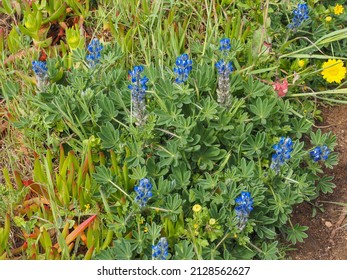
(212, 221)
(328, 19)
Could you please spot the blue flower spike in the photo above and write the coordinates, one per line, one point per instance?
(41, 73)
(320, 153)
(243, 209)
(161, 250)
(138, 89)
(282, 153)
(224, 68)
(183, 68)
(300, 14)
(94, 52)
(143, 191)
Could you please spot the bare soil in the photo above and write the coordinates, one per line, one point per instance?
(327, 234)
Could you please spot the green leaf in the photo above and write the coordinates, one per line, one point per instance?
(325, 184)
(13, 41)
(184, 251)
(108, 108)
(138, 173)
(269, 251)
(296, 233)
(109, 136)
(181, 175)
(123, 250)
(102, 175)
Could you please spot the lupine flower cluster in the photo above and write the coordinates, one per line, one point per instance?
(243, 209)
(161, 250)
(138, 92)
(184, 67)
(41, 73)
(144, 192)
(94, 49)
(300, 14)
(320, 153)
(224, 69)
(282, 153)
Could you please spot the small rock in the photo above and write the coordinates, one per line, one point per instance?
(328, 224)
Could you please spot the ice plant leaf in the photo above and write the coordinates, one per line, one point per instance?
(79, 229)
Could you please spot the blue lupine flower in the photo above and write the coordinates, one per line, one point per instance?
(224, 69)
(320, 153)
(184, 67)
(41, 72)
(138, 92)
(144, 192)
(300, 14)
(243, 209)
(224, 45)
(282, 153)
(94, 49)
(161, 250)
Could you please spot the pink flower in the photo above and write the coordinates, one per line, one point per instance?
(281, 88)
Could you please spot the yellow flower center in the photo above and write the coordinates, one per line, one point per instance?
(301, 63)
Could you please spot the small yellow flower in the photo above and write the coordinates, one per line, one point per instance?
(301, 63)
(197, 207)
(212, 221)
(196, 226)
(338, 9)
(87, 206)
(328, 19)
(333, 71)
(145, 229)
(235, 235)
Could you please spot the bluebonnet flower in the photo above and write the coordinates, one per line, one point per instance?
(184, 67)
(144, 192)
(320, 153)
(94, 49)
(160, 251)
(243, 209)
(282, 153)
(138, 92)
(224, 45)
(41, 72)
(224, 69)
(300, 14)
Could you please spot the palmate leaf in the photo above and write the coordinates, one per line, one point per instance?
(207, 157)
(109, 136)
(184, 251)
(123, 250)
(107, 107)
(269, 251)
(296, 233)
(102, 175)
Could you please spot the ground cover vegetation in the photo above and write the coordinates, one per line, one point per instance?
(164, 129)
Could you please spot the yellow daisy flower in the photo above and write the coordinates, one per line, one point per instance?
(328, 19)
(197, 207)
(333, 71)
(338, 9)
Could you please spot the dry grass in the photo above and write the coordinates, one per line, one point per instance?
(13, 154)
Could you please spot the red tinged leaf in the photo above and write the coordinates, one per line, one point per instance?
(77, 231)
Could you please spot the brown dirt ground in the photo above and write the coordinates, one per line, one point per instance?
(327, 234)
